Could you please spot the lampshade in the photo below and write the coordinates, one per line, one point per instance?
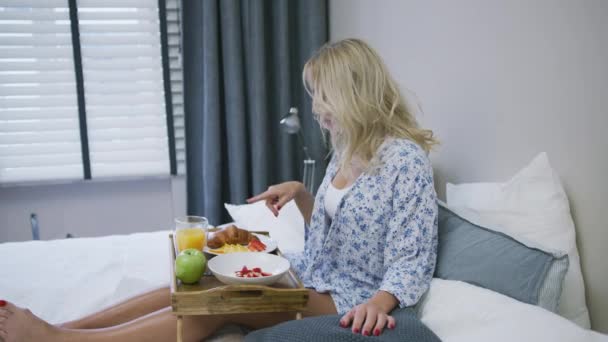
(291, 122)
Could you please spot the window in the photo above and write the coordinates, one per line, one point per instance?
(82, 89)
(174, 34)
(123, 87)
(39, 126)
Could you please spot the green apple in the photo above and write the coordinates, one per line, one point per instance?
(190, 265)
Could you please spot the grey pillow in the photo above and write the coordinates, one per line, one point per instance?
(327, 328)
(495, 261)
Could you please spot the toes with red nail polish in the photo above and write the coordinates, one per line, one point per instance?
(365, 333)
(356, 330)
(2, 302)
(377, 332)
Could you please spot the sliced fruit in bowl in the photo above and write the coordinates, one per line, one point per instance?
(255, 272)
(248, 268)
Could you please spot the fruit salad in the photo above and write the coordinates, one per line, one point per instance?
(255, 272)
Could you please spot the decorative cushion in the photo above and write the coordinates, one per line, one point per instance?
(494, 260)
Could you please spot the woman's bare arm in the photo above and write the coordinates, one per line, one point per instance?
(305, 202)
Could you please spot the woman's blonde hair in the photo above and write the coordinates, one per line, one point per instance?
(349, 80)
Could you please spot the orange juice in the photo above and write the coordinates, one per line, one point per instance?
(190, 238)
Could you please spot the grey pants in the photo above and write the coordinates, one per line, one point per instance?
(327, 329)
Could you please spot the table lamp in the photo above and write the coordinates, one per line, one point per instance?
(291, 124)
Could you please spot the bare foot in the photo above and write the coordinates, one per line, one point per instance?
(20, 325)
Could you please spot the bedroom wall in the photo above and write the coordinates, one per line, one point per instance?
(499, 82)
(92, 208)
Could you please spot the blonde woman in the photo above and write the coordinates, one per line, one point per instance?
(371, 231)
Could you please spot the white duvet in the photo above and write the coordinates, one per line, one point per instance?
(65, 279)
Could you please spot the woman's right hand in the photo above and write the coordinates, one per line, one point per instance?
(278, 195)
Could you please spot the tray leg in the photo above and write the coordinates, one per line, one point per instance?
(180, 327)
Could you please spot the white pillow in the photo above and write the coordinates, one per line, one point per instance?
(287, 228)
(533, 208)
(458, 311)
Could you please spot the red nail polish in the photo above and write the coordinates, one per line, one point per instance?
(2, 302)
(377, 332)
(391, 326)
(342, 324)
(278, 207)
(356, 330)
(365, 333)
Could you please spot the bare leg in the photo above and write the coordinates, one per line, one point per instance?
(158, 299)
(124, 312)
(319, 304)
(17, 324)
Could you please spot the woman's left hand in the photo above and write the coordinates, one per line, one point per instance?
(367, 318)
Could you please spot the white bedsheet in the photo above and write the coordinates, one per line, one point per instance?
(62, 280)
(65, 279)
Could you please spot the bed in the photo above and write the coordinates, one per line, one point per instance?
(65, 279)
(62, 280)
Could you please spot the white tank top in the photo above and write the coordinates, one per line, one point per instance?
(333, 197)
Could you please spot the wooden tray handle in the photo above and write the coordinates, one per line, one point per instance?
(244, 291)
(228, 294)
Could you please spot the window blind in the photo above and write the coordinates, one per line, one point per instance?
(174, 35)
(39, 126)
(123, 86)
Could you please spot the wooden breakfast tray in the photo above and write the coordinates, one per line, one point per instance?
(210, 296)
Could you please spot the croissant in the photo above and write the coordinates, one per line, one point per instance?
(231, 235)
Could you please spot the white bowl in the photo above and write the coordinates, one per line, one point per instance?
(224, 267)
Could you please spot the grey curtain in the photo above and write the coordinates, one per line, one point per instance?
(242, 72)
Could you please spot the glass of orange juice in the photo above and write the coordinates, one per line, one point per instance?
(191, 232)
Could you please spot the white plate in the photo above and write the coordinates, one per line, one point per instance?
(271, 245)
(224, 267)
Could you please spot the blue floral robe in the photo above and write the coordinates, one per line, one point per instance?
(383, 235)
